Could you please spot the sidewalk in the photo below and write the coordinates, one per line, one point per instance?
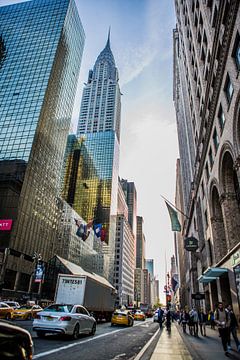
(176, 345)
(171, 346)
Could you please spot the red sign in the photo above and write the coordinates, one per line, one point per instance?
(5, 225)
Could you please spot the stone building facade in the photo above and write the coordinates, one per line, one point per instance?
(206, 97)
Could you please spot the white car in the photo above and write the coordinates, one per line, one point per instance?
(64, 319)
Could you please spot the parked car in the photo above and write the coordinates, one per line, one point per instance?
(64, 319)
(15, 342)
(13, 304)
(139, 315)
(122, 317)
(26, 312)
(5, 311)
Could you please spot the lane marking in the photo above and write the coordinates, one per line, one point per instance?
(140, 354)
(49, 352)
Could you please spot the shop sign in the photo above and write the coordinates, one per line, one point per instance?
(198, 296)
(191, 244)
(5, 225)
(236, 258)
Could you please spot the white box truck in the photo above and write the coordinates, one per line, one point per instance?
(90, 290)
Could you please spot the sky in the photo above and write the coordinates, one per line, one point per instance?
(141, 42)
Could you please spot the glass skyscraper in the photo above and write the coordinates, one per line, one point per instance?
(91, 171)
(41, 47)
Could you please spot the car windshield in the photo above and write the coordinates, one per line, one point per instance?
(59, 308)
(25, 307)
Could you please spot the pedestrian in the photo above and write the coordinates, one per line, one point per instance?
(202, 316)
(233, 328)
(184, 319)
(160, 316)
(194, 316)
(168, 319)
(222, 319)
(211, 319)
(190, 323)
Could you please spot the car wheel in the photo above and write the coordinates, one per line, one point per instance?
(8, 316)
(41, 334)
(92, 332)
(75, 334)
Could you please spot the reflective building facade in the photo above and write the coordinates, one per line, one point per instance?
(92, 166)
(41, 49)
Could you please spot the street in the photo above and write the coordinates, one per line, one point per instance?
(109, 342)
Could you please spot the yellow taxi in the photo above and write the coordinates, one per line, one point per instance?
(122, 317)
(139, 315)
(26, 312)
(5, 311)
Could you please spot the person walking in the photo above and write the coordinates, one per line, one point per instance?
(211, 319)
(222, 319)
(160, 317)
(202, 316)
(184, 319)
(233, 328)
(194, 316)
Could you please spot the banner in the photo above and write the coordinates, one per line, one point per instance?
(39, 273)
(176, 226)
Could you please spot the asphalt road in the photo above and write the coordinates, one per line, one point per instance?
(109, 343)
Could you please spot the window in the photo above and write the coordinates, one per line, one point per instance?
(215, 140)
(210, 155)
(221, 117)
(210, 252)
(207, 171)
(206, 218)
(236, 51)
(228, 89)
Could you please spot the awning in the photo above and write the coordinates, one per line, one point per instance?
(205, 279)
(212, 274)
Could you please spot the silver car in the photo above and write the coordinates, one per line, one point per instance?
(64, 319)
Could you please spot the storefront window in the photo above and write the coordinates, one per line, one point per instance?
(237, 278)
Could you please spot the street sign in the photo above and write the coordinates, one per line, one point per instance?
(191, 243)
(198, 296)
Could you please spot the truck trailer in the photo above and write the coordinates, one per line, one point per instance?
(92, 291)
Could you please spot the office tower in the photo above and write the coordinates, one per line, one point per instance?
(101, 100)
(140, 244)
(149, 265)
(91, 174)
(41, 49)
(124, 262)
(206, 97)
(131, 199)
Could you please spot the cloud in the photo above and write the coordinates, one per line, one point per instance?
(134, 60)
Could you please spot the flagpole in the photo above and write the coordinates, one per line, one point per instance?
(175, 207)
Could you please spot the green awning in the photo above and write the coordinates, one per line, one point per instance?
(211, 274)
(204, 279)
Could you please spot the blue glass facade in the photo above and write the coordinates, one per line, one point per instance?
(30, 34)
(41, 49)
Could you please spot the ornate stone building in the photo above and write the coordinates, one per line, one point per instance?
(206, 97)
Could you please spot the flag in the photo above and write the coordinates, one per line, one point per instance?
(82, 230)
(103, 234)
(176, 226)
(174, 282)
(97, 230)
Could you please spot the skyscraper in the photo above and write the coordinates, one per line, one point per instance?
(41, 47)
(91, 176)
(101, 105)
(206, 97)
